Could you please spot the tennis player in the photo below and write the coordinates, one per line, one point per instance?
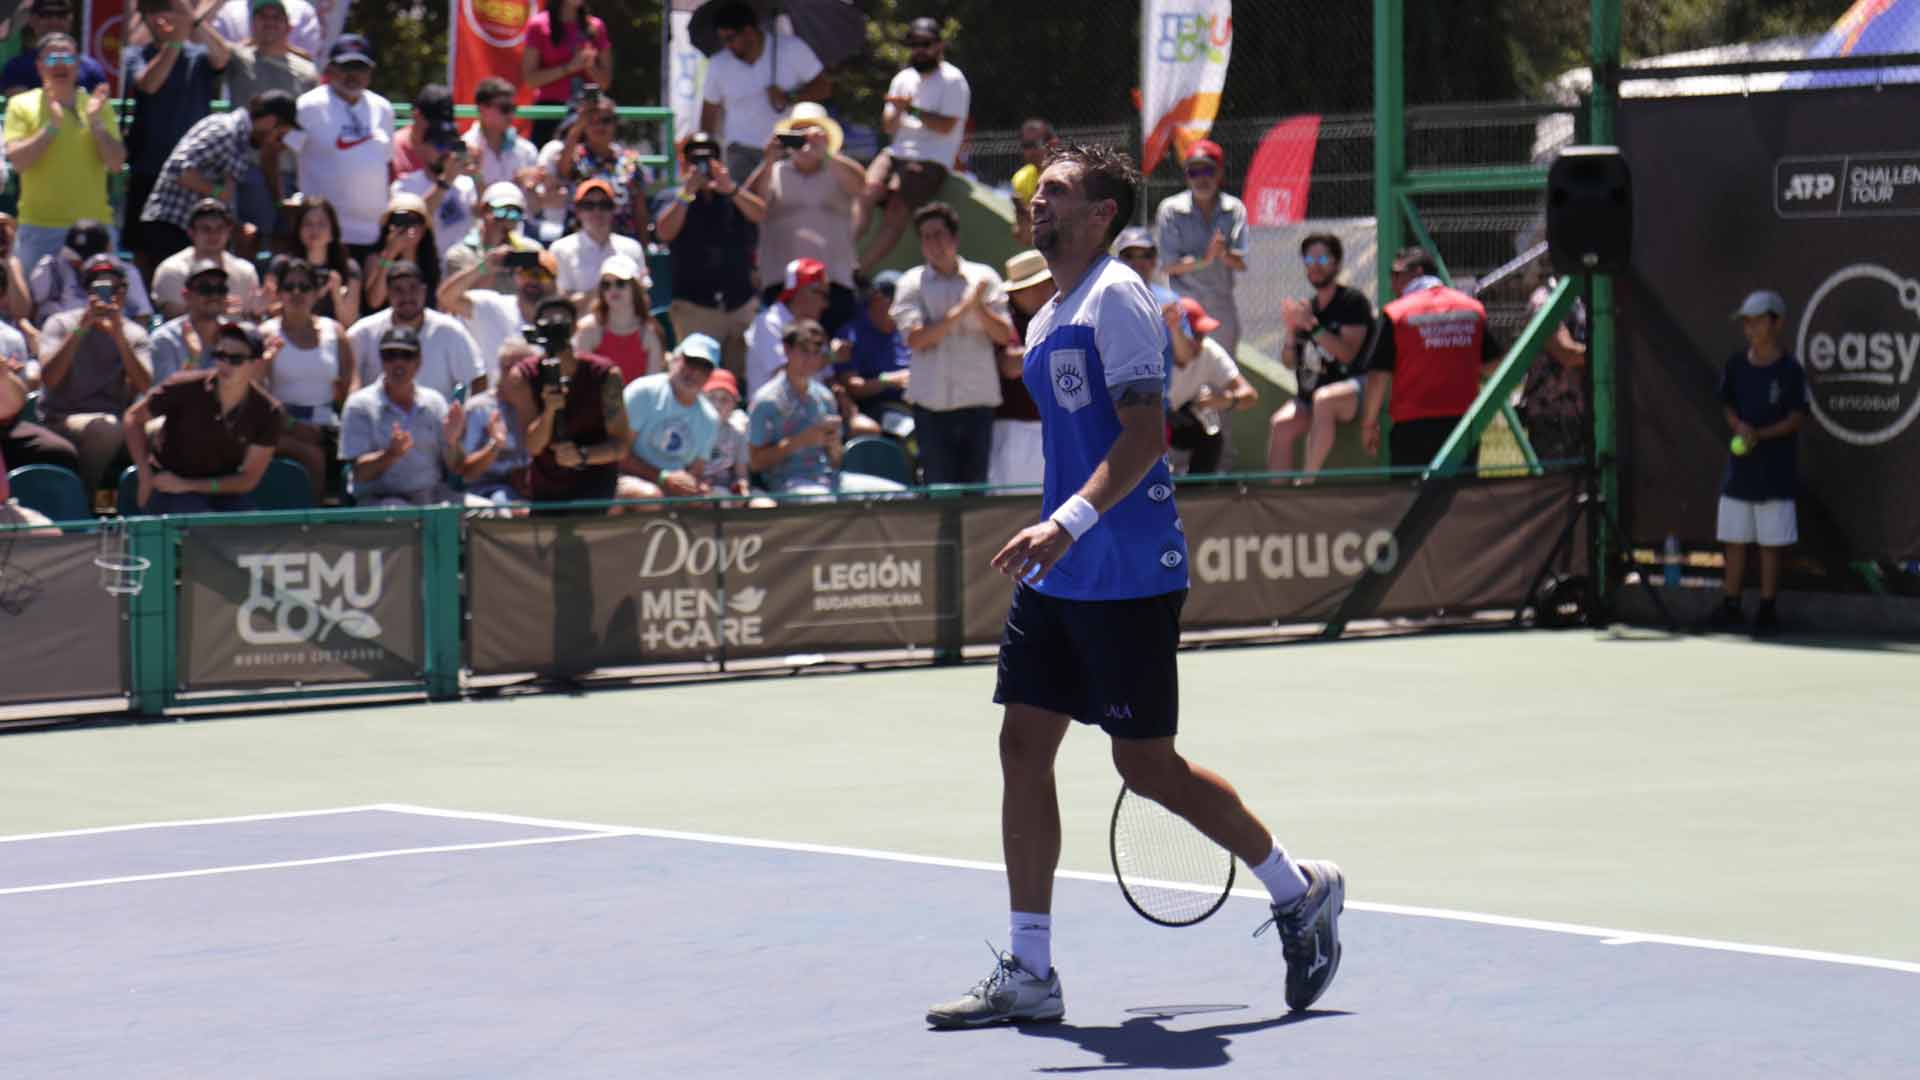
(1095, 621)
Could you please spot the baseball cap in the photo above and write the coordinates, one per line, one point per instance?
(277, 104)
(722, 379)
(87, 237)
(245, 332)
(924, 25)
(1207, 148)
(404, 268)
(596, 183)
(51, 7)
(207, 206)
(1135, 236)
(258, 4)
(886, 283)
(1762, 302)
(802, 273)
(1197, 316)
(102, 265)
(350, 49)
(401, 339)
(702, 348)
(622, 268)
(1027, 269)
(504, 193)
(204, 265)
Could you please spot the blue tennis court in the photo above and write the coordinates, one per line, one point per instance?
(387, 940)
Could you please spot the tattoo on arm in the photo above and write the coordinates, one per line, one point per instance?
(612, 398)
(1138, 396)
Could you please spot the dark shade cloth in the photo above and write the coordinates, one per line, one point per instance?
(583, 421)
(200, 440)
(1763, 395)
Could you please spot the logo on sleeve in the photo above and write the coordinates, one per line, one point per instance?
(1067, 368)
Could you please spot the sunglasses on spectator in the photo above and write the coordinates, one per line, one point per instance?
(507, 213)
(921, 43)
(1031, 144)
(1200, 171)
(1317, 260)
(226, 357)
(602, 119)
(59, 60)
(611, 283)
(595, 206)
(298, 288)
(506, 108)
(210, 288)
(398, 357)
(355, 67)
(407, 221)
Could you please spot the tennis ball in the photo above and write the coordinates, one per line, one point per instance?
(1740, 446)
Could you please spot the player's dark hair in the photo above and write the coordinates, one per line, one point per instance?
(1326, 240)
(1105, 173)
(1416, 260)
(940, 210)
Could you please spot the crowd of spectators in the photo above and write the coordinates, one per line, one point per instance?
(419, 314)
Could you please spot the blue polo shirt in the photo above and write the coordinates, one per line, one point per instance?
(875, 352)
(1763, 395)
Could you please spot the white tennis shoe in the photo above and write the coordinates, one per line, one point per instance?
(1010, 994)
(1310, 933)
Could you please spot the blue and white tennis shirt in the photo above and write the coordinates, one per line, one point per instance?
(1080, 347)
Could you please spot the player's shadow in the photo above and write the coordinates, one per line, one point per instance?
(1142, 1043)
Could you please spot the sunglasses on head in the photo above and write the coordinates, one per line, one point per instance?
(227, 356)
(407, 221)
(595, 206)
(210, 288)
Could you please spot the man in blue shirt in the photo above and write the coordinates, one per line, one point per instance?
(1094, 628)
(174, 79)
(23, 72)
(1764, 390)
(873, 357)
(673, 425)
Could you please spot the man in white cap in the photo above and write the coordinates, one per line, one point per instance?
(1764, 390)
(803, 295)
(503, 207)
(810, 189)
(673, 425)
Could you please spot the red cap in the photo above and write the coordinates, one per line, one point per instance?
(722, 379)
(802, 273)
(1197, 316)
(1207, 148)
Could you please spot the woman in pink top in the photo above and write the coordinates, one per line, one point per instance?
(620, 328)
(566, 46)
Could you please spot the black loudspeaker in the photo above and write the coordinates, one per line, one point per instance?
(1589, 211)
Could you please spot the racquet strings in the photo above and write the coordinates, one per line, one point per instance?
(1169, 870)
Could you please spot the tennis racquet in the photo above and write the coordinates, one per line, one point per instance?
(1169, 871)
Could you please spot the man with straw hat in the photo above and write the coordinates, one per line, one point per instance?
(1019, 452)
(810, 190)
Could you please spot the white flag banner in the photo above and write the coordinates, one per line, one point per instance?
(1184, 47)
(333, 19)
(686, 70)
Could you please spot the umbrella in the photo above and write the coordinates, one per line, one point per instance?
(833, 29)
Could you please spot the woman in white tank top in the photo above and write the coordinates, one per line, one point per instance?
(307, 368)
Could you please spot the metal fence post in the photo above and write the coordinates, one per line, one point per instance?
(440, 583)
(152, 619)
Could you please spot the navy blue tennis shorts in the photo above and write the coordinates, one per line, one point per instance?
(1108, 662)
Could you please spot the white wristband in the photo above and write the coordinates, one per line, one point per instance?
(1076, 515)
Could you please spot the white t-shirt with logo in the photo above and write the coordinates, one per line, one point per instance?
(344, 150)
(943, 91)
(741, 88)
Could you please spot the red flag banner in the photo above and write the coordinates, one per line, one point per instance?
(486, 40)
(106, 30)
(1281, 175)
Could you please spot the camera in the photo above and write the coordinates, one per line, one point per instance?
(103, 291)
(792, 140)
(523, 260)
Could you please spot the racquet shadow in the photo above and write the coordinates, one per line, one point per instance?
(1141, 1042)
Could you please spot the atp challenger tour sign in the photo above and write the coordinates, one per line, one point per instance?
(1816, 195)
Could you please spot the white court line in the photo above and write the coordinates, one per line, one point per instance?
(362, 856)
(1606, 936)
(237, 820)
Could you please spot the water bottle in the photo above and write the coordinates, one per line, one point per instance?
(1209, 418)
(1670, 560)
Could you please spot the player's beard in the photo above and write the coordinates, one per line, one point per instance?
(1048, 236)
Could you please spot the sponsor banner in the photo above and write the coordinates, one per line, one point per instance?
(271, 605)
(578, 595)
(105, 25)
(1184, 49)
(61, 635)
(1799, 193)
(1290, 555)
(486, 40)
(1281, 176)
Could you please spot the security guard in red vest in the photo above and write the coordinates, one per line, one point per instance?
(1433, 346)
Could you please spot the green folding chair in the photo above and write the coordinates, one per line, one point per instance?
(877, 456)
(284, 486)
(54, 490)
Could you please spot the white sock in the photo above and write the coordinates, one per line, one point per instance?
(1282, 876)
(1033, 941)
